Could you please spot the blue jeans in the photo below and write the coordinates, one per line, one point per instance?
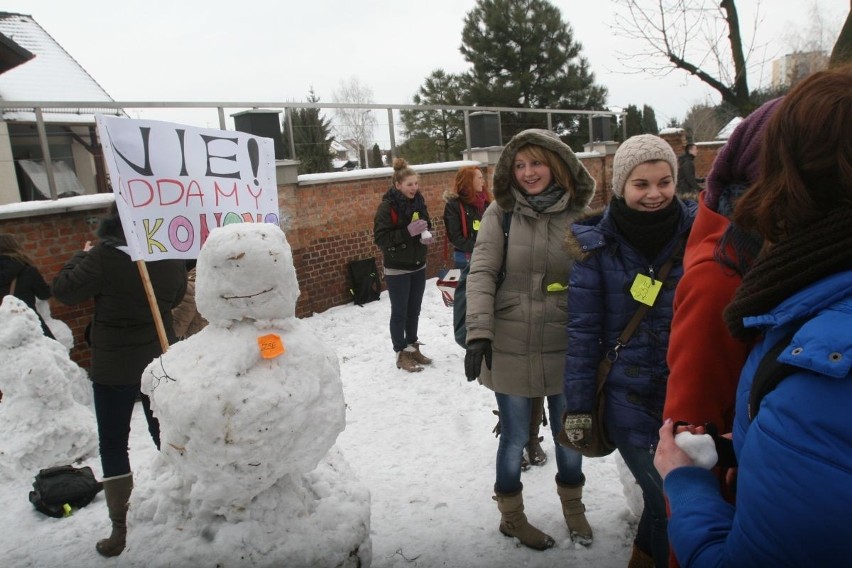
(651, 536)
(460, 259)
(406, 295)
(515, 433)
(113, 410)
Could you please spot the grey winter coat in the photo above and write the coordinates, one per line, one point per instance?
(524, 321)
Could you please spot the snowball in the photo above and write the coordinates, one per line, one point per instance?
(700, 447)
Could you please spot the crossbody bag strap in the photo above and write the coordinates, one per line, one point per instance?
(631, 327)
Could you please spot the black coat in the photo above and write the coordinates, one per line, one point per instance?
(29, 285)
(453, 224)
(123, 335)
(390, 232)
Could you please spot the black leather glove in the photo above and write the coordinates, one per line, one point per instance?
(476, 350)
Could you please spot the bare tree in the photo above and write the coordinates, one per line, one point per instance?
(701, 37)
(356, 124)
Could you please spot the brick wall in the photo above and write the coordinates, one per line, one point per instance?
(328, 222)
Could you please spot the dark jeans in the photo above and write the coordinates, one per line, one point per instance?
(113, 410)
(651, 535)
(406, 295)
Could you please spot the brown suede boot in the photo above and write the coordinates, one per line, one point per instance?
(514, 522)
(117, 491)
(574, 511)
(534, 454)
(640, 559)
(419, 357)
(405, 360)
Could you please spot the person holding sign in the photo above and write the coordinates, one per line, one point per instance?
(124, 341)
(619, 254)
(401, 230)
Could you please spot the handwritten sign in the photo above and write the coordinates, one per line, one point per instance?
(174, 183)
(270, 346)
(645, 290)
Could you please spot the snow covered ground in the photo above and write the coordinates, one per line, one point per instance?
(421, 443)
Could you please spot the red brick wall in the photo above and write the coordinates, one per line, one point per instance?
(328, 224)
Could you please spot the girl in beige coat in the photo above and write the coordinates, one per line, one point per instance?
(516, 320)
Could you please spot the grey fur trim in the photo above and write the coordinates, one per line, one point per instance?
(584, 184)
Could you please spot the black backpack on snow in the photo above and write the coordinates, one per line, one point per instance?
(366, 283)
(56, 487)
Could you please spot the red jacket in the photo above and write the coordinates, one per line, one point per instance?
(704, 359)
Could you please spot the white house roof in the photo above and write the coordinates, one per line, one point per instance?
(729, 128)
(52, 75)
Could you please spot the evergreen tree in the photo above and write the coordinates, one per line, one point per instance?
(649, 121)
(633, 121)
(524, 55)
(444, 128)
(311, 137)
(376, 157)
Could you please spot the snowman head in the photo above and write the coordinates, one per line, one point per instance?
(245, 271)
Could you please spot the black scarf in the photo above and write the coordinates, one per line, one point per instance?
(648, 231)
(406, 207)
(815, 252)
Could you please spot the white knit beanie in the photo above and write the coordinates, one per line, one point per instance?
(638, 150)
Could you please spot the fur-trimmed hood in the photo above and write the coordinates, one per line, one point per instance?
(584, 184)
(589, 220)
(449, 194)
(110, 231)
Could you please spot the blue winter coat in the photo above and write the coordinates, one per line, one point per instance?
(794, 483)
(599, 308)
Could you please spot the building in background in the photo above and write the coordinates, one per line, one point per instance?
(34, 67)
(793, 67)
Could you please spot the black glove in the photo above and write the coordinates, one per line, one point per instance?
(476, 350)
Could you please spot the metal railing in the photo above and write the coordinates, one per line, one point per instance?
(79, 108)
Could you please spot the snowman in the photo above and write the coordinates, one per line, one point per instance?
(44, 413)
(249, 409)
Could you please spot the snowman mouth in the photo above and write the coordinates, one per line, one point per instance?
(224, 297)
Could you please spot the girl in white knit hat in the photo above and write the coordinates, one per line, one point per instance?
(619, 256)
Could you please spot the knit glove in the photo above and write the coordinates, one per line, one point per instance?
(417, 227)
(578, 428)
(477, 350)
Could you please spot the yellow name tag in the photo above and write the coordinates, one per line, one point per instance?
(415, 216)
(270, 346)
(645, 290)
(476, 224)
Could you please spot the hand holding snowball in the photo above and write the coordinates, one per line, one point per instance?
(691, 447)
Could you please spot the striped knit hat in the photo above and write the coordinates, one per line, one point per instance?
(638, 150)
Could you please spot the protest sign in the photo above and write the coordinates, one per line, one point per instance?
(174, 183)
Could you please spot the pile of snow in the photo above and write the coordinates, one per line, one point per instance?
(45, 415)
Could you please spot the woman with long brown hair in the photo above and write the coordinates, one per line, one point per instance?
(20, 278)
(792, 441)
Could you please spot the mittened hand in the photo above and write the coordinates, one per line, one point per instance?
(417, 227)
(477, 350)
(578, 428)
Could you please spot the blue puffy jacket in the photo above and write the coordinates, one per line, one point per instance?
(599, 308)
(794, 483)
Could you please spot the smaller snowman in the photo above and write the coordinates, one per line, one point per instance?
(44, 414)
(250, 409)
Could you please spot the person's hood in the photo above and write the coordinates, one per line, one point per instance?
(450, 194)
(504, 179)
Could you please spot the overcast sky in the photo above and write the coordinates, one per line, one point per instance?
(276, 50)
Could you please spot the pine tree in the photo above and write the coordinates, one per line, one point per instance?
(311, 137)
(524, 55)
(633, 120)
(439, 133)
(649, 121)
(376, 157)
